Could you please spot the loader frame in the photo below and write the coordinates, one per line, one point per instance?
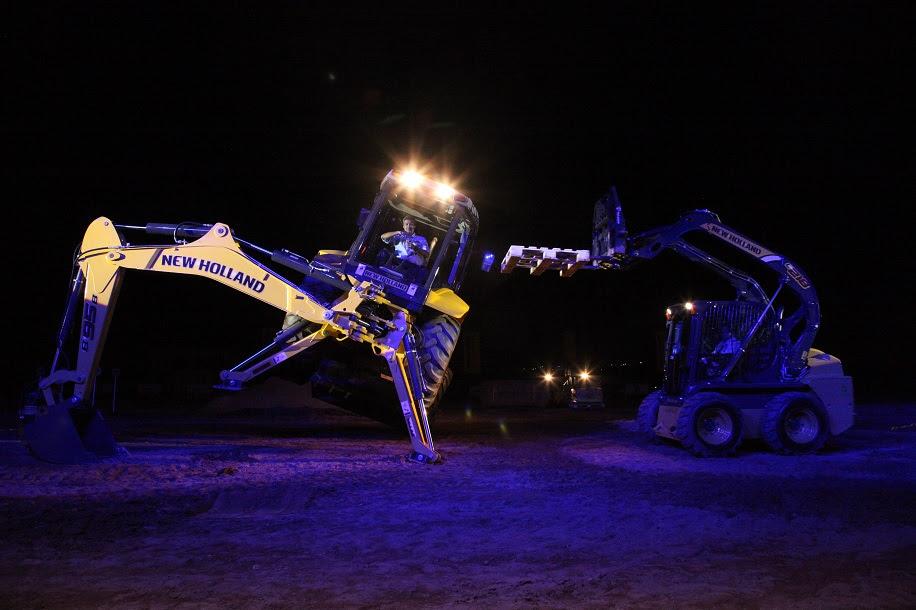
(795, 379)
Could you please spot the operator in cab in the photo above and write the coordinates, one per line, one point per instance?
(408, 246)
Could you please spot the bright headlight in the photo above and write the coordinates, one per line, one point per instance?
(444, 191)
(411, 179)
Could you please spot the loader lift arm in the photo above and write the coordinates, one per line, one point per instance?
(614, 249)
(68, 429)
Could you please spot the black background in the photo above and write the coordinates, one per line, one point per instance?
(281, 120)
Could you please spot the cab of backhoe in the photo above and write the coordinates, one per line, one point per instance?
(445, 219)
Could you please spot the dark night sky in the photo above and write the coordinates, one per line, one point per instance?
(281, 121)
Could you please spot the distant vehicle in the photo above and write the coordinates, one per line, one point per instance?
(581, 390)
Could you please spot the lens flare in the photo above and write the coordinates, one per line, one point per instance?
(411, 179)
(444, 191)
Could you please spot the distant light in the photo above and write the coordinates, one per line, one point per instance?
(332, 77)
(444, 191)
(688, 306)
(584, 375)
(667, 313)
(548, 377)
(487, 263)
(411, 179)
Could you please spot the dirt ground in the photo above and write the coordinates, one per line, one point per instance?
(315, 507)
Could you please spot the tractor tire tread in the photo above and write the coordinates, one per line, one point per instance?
(770, 428)
(647, 415)
(686, 425)
(439, 338)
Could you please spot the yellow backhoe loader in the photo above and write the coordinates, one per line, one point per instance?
(394, 289)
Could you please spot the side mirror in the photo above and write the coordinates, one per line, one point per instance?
(363, 215)
(487, 263)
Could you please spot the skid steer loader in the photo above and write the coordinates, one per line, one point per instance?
(401, 303)
(733, 370)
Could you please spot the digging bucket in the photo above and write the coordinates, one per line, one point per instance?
(64, 433)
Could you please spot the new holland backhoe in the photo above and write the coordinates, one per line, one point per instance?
(399, 303)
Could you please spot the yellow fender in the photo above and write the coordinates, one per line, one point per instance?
(449, 303)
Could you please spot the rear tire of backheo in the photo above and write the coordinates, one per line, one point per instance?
(440, 336)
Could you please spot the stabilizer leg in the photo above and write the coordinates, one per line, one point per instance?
(410, 394)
